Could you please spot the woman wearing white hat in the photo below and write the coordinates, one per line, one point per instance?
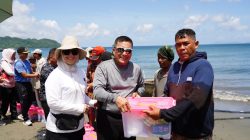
(65, 94)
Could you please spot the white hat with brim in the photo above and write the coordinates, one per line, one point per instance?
(70, 42)
(37, 51)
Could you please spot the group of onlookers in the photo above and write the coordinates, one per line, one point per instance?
(66, 92)
(15, 85)
(7, 84)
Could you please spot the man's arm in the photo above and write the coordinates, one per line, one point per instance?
(20, 69)
(140, 84)
(203, 82)
(26, 75)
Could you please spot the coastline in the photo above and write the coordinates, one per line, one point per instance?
(225, 129)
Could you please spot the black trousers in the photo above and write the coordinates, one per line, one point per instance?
(26, 96)
(45, 108)
(109, 126)
(78, 135)
(9, 98)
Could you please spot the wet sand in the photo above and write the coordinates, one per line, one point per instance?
(228, 126)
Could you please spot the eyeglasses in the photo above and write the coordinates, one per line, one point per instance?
(72, 51)
(127, 50)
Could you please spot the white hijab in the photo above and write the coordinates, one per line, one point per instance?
(7, 54)
(66, 67)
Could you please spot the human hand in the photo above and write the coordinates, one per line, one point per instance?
(1, 79)
(153, 112)
(90, 87)
(122, 104)
(86, 108)
(135, 94)
(36, 75)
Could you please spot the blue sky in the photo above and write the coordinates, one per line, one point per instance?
(147, 22)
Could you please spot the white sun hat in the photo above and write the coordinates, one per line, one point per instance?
(37, 51)
(70, 42)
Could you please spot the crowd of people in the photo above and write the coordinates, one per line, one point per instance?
(66, 92)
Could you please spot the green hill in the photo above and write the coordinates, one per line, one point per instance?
(13, 42)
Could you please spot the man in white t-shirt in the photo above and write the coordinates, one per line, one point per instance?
(40, 61)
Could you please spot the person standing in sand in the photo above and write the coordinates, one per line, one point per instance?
(40, 61)
(23, 75)
(165, 57)
(114, 80)
(98, 55)
(47, 68)
(190, 83)
(65, 93)
(7, 87)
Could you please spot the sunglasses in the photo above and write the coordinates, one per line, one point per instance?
(72, 51)
(127, 50)
(94, 57)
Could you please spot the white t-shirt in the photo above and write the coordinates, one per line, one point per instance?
(39, 65)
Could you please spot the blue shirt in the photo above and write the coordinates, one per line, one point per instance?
(22, 66)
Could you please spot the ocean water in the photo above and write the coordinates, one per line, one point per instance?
(231, 64)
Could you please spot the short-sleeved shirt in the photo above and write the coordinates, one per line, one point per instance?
(160, 80)
(22, 66)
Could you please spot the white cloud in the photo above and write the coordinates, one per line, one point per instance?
(195, 21)
(87, 31)
(145, 28)
(229, 22)
(20, 9)
(23, 25)
(50, 24)
(82, 30)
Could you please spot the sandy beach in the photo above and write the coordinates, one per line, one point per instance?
(228, 126)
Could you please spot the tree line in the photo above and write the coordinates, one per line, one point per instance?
(14, 42)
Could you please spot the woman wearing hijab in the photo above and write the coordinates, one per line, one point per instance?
(65, 93)
(8, 83)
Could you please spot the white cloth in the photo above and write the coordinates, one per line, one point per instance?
(65, 93)
(39, 65)
(7, 65)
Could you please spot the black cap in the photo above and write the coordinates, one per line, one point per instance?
(22, 50)
(106, 56)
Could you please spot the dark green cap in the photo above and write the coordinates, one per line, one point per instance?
(167, 52)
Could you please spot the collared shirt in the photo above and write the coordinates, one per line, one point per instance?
(160, 80)
(22, 66)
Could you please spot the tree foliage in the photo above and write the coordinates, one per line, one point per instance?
(13, 42)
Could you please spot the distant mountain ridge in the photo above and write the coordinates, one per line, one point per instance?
(14, 42)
